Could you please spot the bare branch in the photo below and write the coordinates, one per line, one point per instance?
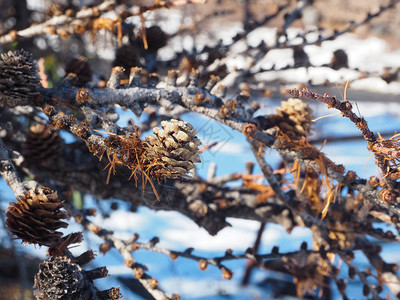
(8, 171)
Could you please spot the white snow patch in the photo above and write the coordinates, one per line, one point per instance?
(200, 288)
(376, 84)
(120, 220)
(261, 34)
(277, 57)
(239, 236)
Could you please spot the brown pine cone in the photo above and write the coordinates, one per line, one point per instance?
(42, 144)
(127, 56)
(80, 67)
(173, 149)
(339, 60)
(294, 118)
(36, 217)
(18, 78)
(156, 38)
(61, 277)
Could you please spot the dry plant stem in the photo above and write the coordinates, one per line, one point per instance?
(187, 254)
(126, 247)
(43, 28)
(82, 171)
(85, 13)
(388, 275)
(362, 277)
(334, 276)
(269, 175)
(359, 185)
(353, 25)
(251, 264)
(345, 108)
(125, 251)
(290, 19)
(164, 4)
(100, 121)
(140, 96)
(8, 171)
(247, 14)
(242, 35)
(42, 73)
(294, 14)
(182, 96)
(131, 97)
(223, 179)
(257, 24)
(350, 27)
(207, 202)
(370, 194)
(216, 261)
(249, 168)
(212, 170)
(233, 123)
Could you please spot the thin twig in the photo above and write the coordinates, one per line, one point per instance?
(8, 171)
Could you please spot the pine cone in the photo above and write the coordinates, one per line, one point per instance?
(36, 217)
(80, 67)
(173, 149)
(59, 278)
(339, 60)
(127, 56)
(294, 118)
(18, 78)
(42, 144)
(156, 38)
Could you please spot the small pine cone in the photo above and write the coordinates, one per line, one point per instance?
(173, 149)
(80, 67)
(36, 217)
(127, 56)
(42, 144)
(18, 78)
(295, 118)
(339, 60)
(59, 278)
(156, 38)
